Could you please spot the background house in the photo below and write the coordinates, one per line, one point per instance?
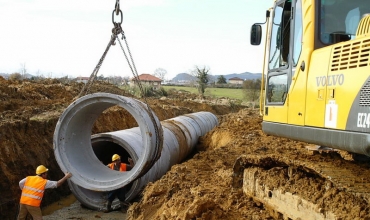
(147, 79)
(236, 81)
(82, 79)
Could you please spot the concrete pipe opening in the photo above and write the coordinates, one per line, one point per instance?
(104, 146)
(73, 147)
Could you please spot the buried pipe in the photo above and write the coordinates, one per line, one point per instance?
(178, 136)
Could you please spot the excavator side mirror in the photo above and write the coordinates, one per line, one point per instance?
(256, 34)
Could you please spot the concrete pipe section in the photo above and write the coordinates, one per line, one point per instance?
(72, 141)
(180, 135)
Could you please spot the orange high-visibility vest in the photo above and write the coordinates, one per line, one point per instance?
(122, 167)
(33, 191)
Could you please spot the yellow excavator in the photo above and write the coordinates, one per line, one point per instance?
(316, 85)
(315, 89)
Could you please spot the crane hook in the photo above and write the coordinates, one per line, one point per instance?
(117, 9)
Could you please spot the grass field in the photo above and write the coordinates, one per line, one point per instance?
(213, 92)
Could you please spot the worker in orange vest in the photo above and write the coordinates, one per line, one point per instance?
(33, 188)
(121, 192)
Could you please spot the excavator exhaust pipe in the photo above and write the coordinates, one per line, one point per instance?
(154, 146)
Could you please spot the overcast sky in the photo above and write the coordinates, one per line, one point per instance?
(68, 37)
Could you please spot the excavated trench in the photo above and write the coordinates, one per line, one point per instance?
(198, 188)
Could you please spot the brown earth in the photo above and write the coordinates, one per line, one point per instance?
(199, 188)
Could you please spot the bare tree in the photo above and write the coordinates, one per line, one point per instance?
(251, 89)
(100, 77)
(160, 73)
(64, 79)
(125, 80)
(38, 74)
(15, 76)
(221, 80)
(202, 76)
(23, 70)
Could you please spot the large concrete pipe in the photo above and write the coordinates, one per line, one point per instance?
(72, 141)
(180, 135)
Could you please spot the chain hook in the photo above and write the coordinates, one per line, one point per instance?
(117, 29)
(119, 12)
(116, 7)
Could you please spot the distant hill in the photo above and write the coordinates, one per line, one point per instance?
(185, 77)
(245, 76)
(6, 75)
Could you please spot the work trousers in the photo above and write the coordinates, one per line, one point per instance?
(120, 193)
(34, 211)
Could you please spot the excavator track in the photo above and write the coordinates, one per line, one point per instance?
(303, 188)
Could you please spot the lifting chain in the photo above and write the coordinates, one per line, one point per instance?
(117, 29)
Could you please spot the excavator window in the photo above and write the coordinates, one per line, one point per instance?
(279, 48)
(339, 20)
(279, 60)
(277, 88)
(297, 35)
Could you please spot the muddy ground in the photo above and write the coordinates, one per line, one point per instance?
(199, 188)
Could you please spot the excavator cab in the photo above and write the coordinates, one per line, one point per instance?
(316, 72)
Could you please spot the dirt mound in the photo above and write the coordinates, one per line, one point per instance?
(29, 111)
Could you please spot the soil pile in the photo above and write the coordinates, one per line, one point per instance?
(199, 188)
(29, 111)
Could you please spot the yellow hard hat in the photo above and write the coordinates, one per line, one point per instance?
(41, 169)
(115, 157)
